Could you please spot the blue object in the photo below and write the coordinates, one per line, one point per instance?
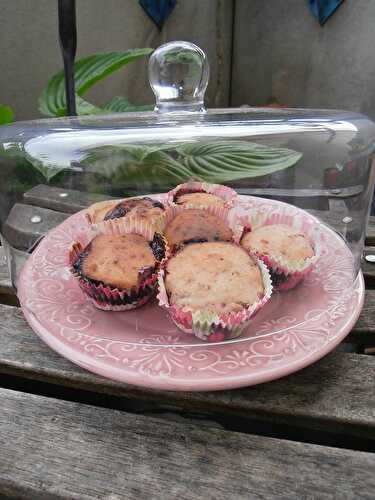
(323, 9)
(158, 10)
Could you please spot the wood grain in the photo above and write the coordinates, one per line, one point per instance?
(370, 233)
(5, 283)
(59, 449)
(21, 233)
(368, 268)
(61, 200)
(334, 394)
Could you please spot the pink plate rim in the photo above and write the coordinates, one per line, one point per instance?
(61, 316)
(227, 382)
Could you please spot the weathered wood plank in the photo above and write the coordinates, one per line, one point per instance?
(20, 230)
(334, 394)
(59, 449)
(61, 200)
(364, 330)
(70, 200)
(370, 233)
(368, 268)
(5, 283)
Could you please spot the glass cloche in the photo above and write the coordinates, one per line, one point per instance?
(307, 170)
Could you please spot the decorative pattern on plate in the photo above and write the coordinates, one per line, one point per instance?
(143, 348)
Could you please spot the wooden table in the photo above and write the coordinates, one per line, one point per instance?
(68, 434)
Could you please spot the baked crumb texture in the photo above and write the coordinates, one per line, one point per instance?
(196, 194)
(212, 289)
(286, 251)
(118, 272)
(146, 210)
(196, 225)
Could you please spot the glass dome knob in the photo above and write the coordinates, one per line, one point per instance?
(178, 74)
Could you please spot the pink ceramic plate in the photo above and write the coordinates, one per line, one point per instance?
(143, 347)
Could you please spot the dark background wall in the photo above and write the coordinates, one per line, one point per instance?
(258, 50)
(30, 52)
(281, 51)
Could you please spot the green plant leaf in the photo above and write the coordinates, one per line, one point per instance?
(121, 105)
(6, 114)
(16, 151)
(83, 108)
(161, 166)
(87, 72)
(226, 161)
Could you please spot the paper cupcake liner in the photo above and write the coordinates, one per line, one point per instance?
(295, 270)
(116, 226)
(222, 213)
(92, 210)
(125, 225)
(225, 193)
(210, 326)
(116, 299)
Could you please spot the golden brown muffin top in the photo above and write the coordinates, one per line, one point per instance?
(218, 277)
(278, 240)
(118, 260)
(196, 224)
(145, 208)
(97, 211)
(199, 199)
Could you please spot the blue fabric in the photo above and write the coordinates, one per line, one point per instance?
(323, 9)
(158, 10)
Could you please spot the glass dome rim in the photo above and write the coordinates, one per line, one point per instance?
(244, 114)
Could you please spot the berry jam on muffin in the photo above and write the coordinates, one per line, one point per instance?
(217, 277)
(195, 194)
(196, 225)
(282, 248)
(118, 270)
(143, 208)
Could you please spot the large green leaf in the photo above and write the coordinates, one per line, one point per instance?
(225, 161)
(87, 72)
(121, 105)
(83, 108)
(16, 151)
(6, 114)
(164, 165)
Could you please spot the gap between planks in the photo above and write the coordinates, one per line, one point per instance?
(65, 450)
(335, 394)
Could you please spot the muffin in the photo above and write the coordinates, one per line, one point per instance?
(200, 195)
(118, 272)
(199, 200)
(146, 210)
(287, 252)
(212, 289)
(196, 225)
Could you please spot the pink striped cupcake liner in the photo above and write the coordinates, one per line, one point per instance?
(109, 298)
(294, 271)
(117, 226)
(211, 326)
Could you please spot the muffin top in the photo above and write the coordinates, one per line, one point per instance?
(97, 211)
(120, 261)
(278, 240)
(218, 277)
(196, 225)
(199, 199)
(145, 208)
